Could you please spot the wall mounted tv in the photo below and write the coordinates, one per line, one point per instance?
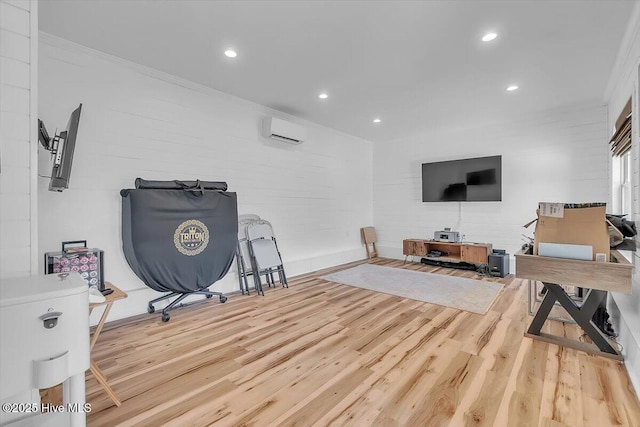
(466, 180)
(61, 145)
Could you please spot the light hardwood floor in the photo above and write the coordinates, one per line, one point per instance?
(321, 353)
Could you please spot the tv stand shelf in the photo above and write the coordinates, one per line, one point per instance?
(475, 253)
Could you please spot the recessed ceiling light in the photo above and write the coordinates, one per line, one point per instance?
(323, 96)
(489, 37)
(230, 53)
(376, 120)
(512, 88)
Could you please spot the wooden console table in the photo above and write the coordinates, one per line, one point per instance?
(475, 253)
(598, 277)
(108, 302)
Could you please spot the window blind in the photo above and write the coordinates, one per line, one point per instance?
(620, 143)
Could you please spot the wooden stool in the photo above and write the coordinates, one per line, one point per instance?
(370, 238)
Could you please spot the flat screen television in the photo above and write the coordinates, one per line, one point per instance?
(467, 180)
(62, 146)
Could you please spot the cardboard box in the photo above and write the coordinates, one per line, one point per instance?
(573, 224)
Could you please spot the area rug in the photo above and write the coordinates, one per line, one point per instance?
(475, 296)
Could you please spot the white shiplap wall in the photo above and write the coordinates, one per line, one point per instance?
(18, 114)
(138, 122)
(552, 156)
(625, 83)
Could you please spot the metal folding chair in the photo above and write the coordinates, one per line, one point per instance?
(265, 255)
(243, 254)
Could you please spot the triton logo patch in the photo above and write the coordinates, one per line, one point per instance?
(191, 237)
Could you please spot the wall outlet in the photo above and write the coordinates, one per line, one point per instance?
(600, 257)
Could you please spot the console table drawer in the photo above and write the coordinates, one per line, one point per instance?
(414, 248)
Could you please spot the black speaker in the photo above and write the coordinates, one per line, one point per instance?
(499, 263)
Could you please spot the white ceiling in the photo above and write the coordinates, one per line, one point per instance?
(414, 64)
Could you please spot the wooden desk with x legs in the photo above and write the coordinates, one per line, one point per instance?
(597, 277)
(95, 370)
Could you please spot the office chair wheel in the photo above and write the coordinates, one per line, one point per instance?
(151, 309)
(209, 296)
(165, 317)
(223, 298)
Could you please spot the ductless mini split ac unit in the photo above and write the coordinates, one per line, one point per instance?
(284, 131)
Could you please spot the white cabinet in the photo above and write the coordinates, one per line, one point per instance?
(44, 341)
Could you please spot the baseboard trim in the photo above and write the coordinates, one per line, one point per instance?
(136, 302)
(630, 346)
(321, 261)
(391, 252)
